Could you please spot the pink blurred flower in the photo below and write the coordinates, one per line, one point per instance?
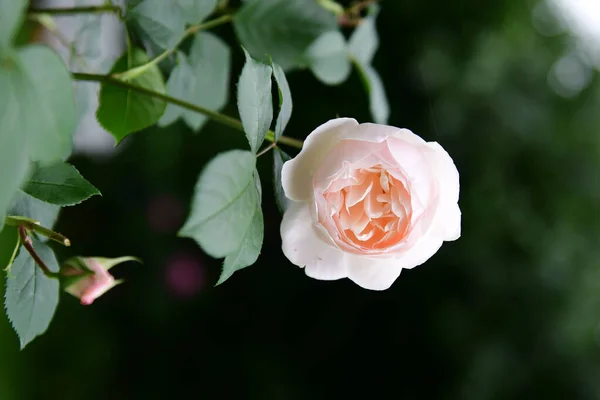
(185, 275)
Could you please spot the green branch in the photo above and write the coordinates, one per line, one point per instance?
(139, 70)
(33, 225)
(331, 5)
(214, 115)
(28, 244)
(77, 10)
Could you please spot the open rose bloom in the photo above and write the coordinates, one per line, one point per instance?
(367, 201)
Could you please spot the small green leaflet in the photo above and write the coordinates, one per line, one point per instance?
(364, 40)
(23, 205)
(106, 263)
(11, 16)
(59, 184)
(203, 79)
(279, 158)
(180, 85)
(162, 20)
(255, 102)
(249, 251)
(363, 45)
(378, 103)
(31, 298)
(327, 58)
(224, 220)
(285, 100)
(195, 11)
(123, 111)
(282, 29)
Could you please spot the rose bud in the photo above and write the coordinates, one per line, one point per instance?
(87, 278)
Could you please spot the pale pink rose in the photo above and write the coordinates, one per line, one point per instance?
(367, 201)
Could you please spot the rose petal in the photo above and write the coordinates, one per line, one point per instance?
(448, 216)
(374, 208)
(351, 155)
(358, 193)
(444, 169)
(422, 250)
(415, 167)
(297, 174)
(450, 222)
(303, 246)
(376, 133)
(98, 290)
(373, 273)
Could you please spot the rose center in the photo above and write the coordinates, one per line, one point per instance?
(371, 209)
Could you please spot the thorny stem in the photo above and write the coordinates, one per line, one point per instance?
(214, 115)
(28, 244)
(266, 149)
(139, 70)
(351, 17)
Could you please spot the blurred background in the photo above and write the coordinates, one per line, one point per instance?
(510, 311)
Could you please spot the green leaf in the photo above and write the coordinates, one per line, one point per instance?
(24, 205)
(249, 251)
(363, 45)
(31, 298)
(49, 92)
(364, 40)
(224, 203)
(285, 100)
(14, 155)
(60, 184)
(123, 111)
(327, 58)
(255, 102)
(282, 29)
(279, 158)
(11, 17)
(195, 11)
(37, 115)
(163, 21)
(378, 103)
(179, 85)
(202, 80)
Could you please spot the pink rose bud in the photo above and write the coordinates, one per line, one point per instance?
(367, 201)
(88, 278)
